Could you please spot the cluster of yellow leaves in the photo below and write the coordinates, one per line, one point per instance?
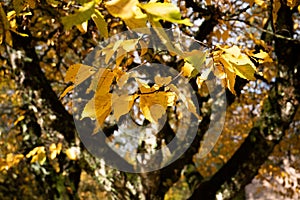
(230, 61)
(8, 21)
(73, 153)
(153, 101)
(38, 154)
(135, 15)
(54, 150)
(10, 161)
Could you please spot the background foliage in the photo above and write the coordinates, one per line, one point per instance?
(43, 41)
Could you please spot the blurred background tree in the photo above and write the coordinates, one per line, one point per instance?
(41, 156)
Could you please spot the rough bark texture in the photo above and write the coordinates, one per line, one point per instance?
(40, 94)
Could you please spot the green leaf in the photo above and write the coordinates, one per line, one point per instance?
(80, 16)
(100, 23)
(165, 11)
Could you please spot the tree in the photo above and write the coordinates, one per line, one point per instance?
(249, 46)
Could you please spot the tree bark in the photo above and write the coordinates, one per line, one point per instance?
(40, 94)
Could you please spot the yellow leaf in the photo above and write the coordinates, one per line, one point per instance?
(157, 111)
(187, 69)
(73, 153)
(8, 38)
(65, 92)
(237, 63)
(121, 104)
(160, 81)
(251, 2)
(100, 23)
(18, 5)
(187, 102)
(122, 80)
(102, 106)
(230, 80)
(217, 33)
(129, 45)
(128, 11)
(204, 75)
(20, 118)
(241, 60)
(102, 79)
(219, 71)
(145, 88)
(82, 27)
(162, 35)
(110, 49)
(163, 99)
(165, 11)
(226, 64)
(4, 20)
(263, 57)
(144, 47)
(55, 150)
(78, 73)
(1, 35)
(245, 71)
(120, 56)
(276, 7)
(83, 14)
(234, 51)
(38, 154)
(208, 2)
(291, 3)
(196, 58)
(105, 81)
(89, 109)
(11, 160)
